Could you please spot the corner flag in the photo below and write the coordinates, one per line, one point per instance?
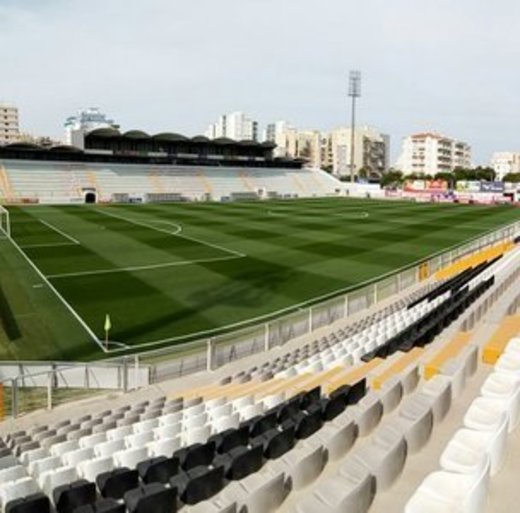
(108, 327)
(108, 323)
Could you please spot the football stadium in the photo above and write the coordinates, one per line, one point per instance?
(252, 335)
(247, 322)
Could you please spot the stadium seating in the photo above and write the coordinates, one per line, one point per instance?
(63, 182)
(354, 398)
(476, 452)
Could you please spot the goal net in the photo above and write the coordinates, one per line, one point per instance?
(5, 223)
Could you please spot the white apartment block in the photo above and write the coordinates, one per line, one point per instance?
(505, 162)
(9, 124)
(236, 126)
(430, 153)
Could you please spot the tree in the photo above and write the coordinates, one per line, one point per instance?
(485, 173)
(327, 168)
(364, 172)
(444, 175)
(392, 178)
(512, 177)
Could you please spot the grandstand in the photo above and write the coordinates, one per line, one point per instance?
(43, 182)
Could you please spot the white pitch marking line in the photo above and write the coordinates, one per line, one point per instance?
(151, 227)
(353, 215)
(142, 267)
(179, 227)
(65, 303)
(62, 233)
(56, 244)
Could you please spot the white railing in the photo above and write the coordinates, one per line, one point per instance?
(53, 379)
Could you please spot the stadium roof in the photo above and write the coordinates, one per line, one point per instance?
(173, 137)
(105, 132)
(170, 136)
(23, 146)
(64, 148)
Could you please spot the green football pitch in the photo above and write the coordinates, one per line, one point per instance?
(168, 273)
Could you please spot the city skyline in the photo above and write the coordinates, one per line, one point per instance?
(459, 81)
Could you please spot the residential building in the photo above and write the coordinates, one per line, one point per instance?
(9, 124)
(236, 126)
(431, 153)
(505, 162)
(371, 151)
(85, 121)
(293, 143)
(332, 150)
(279, 133)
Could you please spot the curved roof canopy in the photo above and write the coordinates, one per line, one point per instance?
(105, 132)
(247, 142)
(200, 139)
(136, 134)
(169, 136)
(65, 148)
(24, 146)
(224, 141)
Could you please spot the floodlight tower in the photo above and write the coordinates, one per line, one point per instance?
(354, 91)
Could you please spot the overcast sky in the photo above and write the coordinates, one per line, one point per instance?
(446, 65)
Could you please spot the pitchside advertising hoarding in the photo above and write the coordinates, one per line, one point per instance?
(496, 187)
(427, 186)
(468, 186)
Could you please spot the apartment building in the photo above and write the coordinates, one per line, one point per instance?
(431, 152)
(9, 124)
(331, 150)
(236, 126)
(505, 162)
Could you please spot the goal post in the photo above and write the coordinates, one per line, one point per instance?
(5, 222)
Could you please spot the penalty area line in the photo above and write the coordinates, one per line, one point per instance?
(61, 232)
(138, 268)
(52, 245)
(67, 305)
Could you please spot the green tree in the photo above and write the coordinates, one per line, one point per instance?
(512, 177)
(392, 178)
(364, 172)
(485, 173)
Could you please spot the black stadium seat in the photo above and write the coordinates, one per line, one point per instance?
(357, 391)
(332, 407)
(151, 498)
(102, 506)
(115, 483)
(306, 424)
(197, 484)
(263, 423)
(158, 470)
(231, 438)
(290, 408)
(276, 443)
(73, 495)
(311, 397)
(241, 461)
(37, 503)
(343, 391)
(196, 455)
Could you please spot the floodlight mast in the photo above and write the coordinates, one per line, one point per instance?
(354, 91)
